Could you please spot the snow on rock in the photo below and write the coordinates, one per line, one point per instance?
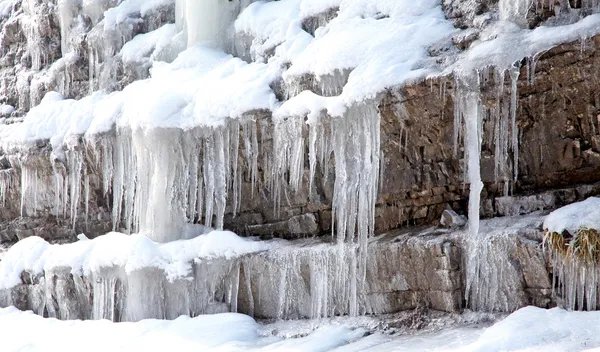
(152, 46)
(574, 217)
(201, 87)
(505, 43)
(116, 15)
(363, 38)
(131, 252)
(204, 86)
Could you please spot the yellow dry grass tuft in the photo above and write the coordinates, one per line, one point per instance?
(583, 246)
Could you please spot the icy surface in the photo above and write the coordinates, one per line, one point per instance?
(132, 253)
(530, 329)
(575, 217)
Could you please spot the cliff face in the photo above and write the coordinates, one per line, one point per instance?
(395, 159)
(422, 173)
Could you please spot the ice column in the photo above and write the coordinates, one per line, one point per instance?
(208, 20)
(164, 178)
(468, 110)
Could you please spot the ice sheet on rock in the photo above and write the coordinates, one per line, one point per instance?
(575, 217)
(131, 253)
(492, 282)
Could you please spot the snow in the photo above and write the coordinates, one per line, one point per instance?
(131, 252)
(149, 45)
(202, 86)
(205, 86)
(536, 329)
(362, 38)
(574, 217)
(222, 332)
(529, 329)
(120, 13)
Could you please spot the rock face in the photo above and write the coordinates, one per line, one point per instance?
(421, 170)
(421, 173)
(309, 279)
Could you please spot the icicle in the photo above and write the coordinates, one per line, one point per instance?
(288, 163)
(514, 76)
(66, 16)
(467, 105)
(75, 169)
(6, 183)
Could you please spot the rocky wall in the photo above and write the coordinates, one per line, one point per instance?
(406, 269)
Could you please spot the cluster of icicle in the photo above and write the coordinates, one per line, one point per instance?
(577, 281)
(518, 10)
(469, 118)
(163, 179)
(290, 283)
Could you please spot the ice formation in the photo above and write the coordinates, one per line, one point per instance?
(174, 149)
(130, 278)
(575, 276)
(499, 60)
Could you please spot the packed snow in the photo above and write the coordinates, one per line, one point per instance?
(130, 252)
(530, 329)
(575, 217)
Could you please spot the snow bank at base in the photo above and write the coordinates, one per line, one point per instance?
(530, 329)
(221, 332)
(574, 217)
(536, 329)
(131, 252)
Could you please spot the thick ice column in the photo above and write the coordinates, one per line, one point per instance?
(66, 15)
(207, 20)
(467, 110)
